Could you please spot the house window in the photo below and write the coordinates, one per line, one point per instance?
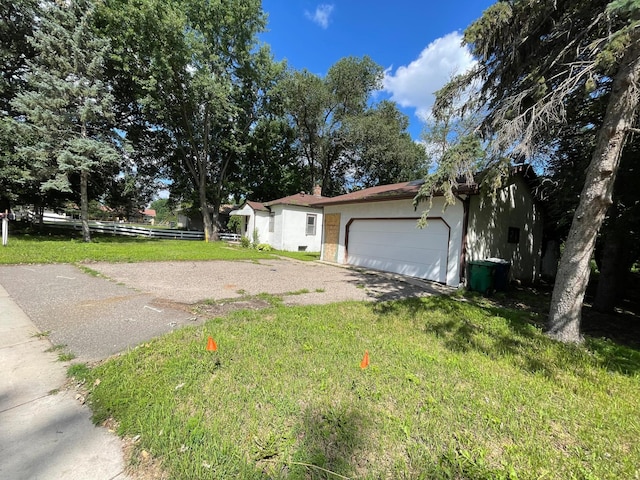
(513, 236)
(272, 221)
(311, 224)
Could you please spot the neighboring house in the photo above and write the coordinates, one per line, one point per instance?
(192, 219)
(377, 228)
(149, 216)
(256, 219)
(292, 223)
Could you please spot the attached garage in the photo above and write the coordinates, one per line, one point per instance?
(397, 245)
(376, 228)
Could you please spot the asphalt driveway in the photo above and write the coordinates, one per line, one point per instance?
(97, 316)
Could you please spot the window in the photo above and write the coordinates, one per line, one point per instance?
(513, 236)
(311, 224)
(272, 221)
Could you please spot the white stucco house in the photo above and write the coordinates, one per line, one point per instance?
(292, 223)
(377, 228)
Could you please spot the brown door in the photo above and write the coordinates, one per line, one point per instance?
(331, 236)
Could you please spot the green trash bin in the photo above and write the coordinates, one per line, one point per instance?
(481, 276)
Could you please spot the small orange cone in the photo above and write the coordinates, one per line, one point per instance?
(365, 360)
(212, 346)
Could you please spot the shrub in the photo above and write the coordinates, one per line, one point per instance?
(245, 242)
(235, 223)
(263, 247)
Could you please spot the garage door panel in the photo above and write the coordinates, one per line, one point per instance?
(398, 246)
(412, 255)
(399, 239)
(400, 242)
(434, 227)
(427, 271)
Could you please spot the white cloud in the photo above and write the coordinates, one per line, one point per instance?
(321, 15)
(414, 85)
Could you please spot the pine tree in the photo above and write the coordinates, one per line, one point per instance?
(532, 59)
(67, 106)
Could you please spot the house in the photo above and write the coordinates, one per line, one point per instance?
(191, 219)
(377, 228)
(257, 218)
(292, 223)
(149, 216)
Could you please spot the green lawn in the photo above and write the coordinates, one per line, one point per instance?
(65, 249)
(456, 389)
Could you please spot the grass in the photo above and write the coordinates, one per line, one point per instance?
(41, 335)
(457, 388)
(63, 355)
(303, 256)
(66, 356)
(64, 249)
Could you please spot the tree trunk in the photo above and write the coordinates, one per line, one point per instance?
(206, 214)
(573, 271)
(84, 205)
(39, 211)
(215, 214)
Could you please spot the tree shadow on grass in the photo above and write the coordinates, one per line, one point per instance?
(47, 233)
(334, 445)
(330, 438)
(473, 324)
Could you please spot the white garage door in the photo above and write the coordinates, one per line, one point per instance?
(399, 246)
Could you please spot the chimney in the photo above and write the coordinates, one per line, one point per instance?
(317, 191)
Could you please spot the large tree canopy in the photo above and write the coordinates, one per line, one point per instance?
(191, 79)
(341, 138)
(534, 58)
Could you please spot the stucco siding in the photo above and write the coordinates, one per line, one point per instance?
(491, 220)
(254, 220)
(261, 224)
(290, 228)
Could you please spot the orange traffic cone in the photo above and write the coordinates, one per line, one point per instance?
(365, 360)
(212, 346)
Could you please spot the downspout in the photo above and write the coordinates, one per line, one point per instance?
(466, 201)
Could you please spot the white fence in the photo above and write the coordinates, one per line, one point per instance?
(115, 228)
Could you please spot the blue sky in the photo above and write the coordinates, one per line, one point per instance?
(416, 42)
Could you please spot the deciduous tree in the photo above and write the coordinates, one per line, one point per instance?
(342, 137)
(199, 79)
(381, 149)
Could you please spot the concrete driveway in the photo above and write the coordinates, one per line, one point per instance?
(127, 304)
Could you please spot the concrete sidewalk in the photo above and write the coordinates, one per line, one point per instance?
(45, 433)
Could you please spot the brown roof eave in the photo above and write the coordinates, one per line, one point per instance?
(374, 198)
(461, 190)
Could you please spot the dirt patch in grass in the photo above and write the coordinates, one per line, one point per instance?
(143, 465)
(220, 309)
(206, 310)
